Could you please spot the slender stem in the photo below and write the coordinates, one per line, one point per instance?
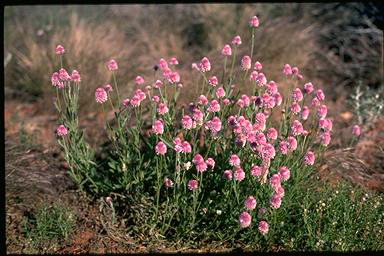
(253, 41)
(117, 89)
(233, 62)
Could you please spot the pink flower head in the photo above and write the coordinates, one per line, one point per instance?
(163, 64)
(240, 103)
(201, 166)
(227, 51)
(174, 77)
(256, 171)
(135, 101)
(198, 159)
(275, 201)
(186, 147)
(267, 151)
(279, 191)
(126, 102)
(356, 131)
(139, 93)
(234, 160)
(210, 162)
(322, 111)
(295, 108)
(205, 65)
(156, 99)
(215, 124)
(240, 140)
(174, 61)
(75, 76)
(63, 75)
(292, 143)
(297, 128)
(178, 145)
(236, 40)
(187, 122)
(315, 102)
(320, 95)
(295, 71)
(220, 92)
(325, 138)
(250, 203)
(198, 116)
(227, 175)
(213, 81)
(246, 63)
(308, 88)
(268, 101)
(254, 22)
(305, 113)
(272, 134)
(258, 66)
(112, 65)
(193, 184)
(253, 76)
(284, 147)
(278, 99)
(263, 227)
(158, 84)
(139, 80)
(158, 127)
(162, 109)
(261, 80)
(297, 95)
(61, 130)
(245, 220)
(272, 88)
(287, 70)
(108, 88)
(275, 181)
(309, 158)
(168, 182)
(60, 50)
(55, 79)
(161, 148)
(214, 106)
(203, 100)
(101, 95)
(284, 173)
(246, 100)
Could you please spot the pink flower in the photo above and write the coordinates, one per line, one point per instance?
(253, 76)
(292, 143)
(275, 201)
(201, 166)
(226, 102)
(263, 227)
(55, 79)
(126, 103)
(220, 92)
(215, 124)
(236, 40)
(63, 75)
(213, 81)
(101, 95)
(322, 111)
(308, 88)
(245, 220)
(280, 191)
(108, 88)
(158, 84)
(75, 76)
(193, 184)
(161, 148)
(203, 100)
(295, 108)
(178, 145)
(258, 66)
(256, 171)
(250, 203)
(246, 63)
(234, 160)
(139, 80)
(210, 162)
(295, 71)
(272, 134)
(198, 159)
(112, 65)
(284, 147)
(156, 98)
(187, 122)
(297, 94)
(297, 128)
(227, 175)
(60, 50)
(356, 130)
(139, 93)
(240, 103)
(261, 80)
(284, 173)
(205, 65)
(162, 109)
(325, 138)
(254, 22)
(268, 101)
(168, 182)
(135, 101)
(239, 174)
(186, 147)
(214, 106)
(275, 181)
(246, 100)
(305, 113)
(287, 69)
(240, 140)
(227, 51)
(315, 102)
(267, 151)
(174, 77)
(198, 116)
(278, 98)
(158, 127)
(173, 61)
(272, 88)
(320, 95)
(163, 64)
(61, 130)
(309, 158)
